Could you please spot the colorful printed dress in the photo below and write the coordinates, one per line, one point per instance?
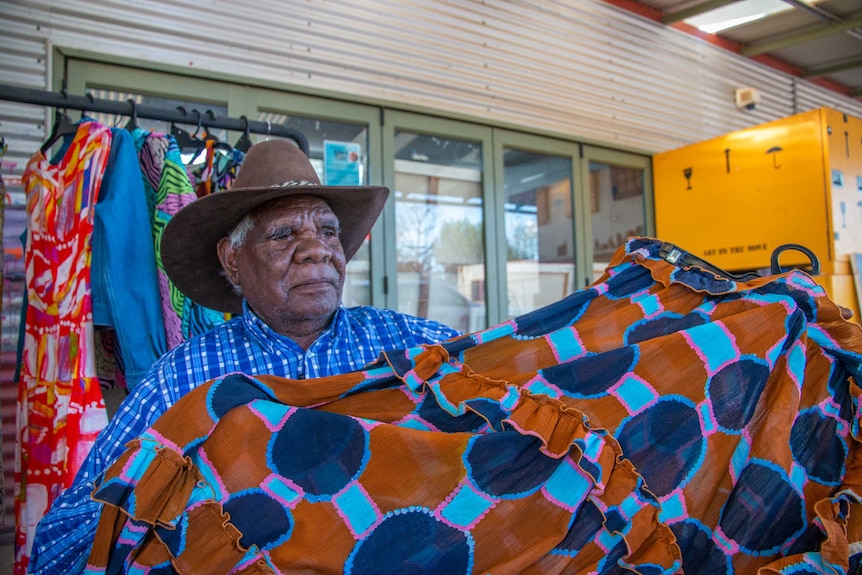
(168, 190)
(60, 406)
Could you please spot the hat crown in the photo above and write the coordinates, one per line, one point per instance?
(275, 163)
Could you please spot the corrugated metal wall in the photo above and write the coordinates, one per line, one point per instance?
(582, 69)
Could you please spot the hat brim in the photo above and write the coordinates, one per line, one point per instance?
(188, 244)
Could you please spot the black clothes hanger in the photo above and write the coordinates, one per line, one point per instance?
(209, 137)
(188, 143)
(63, 125)
(244, 142)
(132, 124)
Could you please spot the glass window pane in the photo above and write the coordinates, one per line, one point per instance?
(440, 230)
(617, 206)
(539, 230)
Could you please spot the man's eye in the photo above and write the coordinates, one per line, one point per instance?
(329, 232)
(282, 233)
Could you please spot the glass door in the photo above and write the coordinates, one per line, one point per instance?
(539, 219)
(438, 220)
(620, 201)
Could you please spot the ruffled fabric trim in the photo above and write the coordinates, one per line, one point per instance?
(563, 431)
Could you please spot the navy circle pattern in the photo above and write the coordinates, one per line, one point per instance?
(230, 392)
(628, 282)
(260, 519)
(662, 325)
(592, 375)
(554, 316)
(763, 511)
(734, 392)
(816, 446)
(412, 541)
(665, 443)
(507, 464)
(700, 554)
(320, 451)
(587, 522)
(431, 412)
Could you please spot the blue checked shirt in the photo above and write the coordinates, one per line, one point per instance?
(246, 344)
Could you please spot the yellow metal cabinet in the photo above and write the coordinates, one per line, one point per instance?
(733, 199)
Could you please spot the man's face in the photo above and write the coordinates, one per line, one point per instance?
(291, 265)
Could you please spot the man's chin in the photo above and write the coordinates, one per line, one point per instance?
(316, 305)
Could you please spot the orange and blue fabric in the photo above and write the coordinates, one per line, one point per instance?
(662, 420)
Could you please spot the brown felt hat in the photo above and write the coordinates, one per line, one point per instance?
(271, 170)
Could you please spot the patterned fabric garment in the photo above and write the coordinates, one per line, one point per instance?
(60, 406)
(243, 344)
(168, 190)
(663, 420)
(219, 170)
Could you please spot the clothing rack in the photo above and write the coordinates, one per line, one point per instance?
(132, 109)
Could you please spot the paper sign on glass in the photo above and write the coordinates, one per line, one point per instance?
(342, 163)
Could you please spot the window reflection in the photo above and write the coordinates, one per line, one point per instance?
(440, 230)
(617, 206)
(539, 231)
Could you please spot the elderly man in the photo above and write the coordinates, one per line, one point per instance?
(271, 250)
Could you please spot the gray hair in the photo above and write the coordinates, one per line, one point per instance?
(237, 237)
(239, 232)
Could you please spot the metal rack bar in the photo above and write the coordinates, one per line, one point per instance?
(129, 108)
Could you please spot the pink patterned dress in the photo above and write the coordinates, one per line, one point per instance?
(60, 405)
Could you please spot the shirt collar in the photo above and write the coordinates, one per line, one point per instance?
(271, 339)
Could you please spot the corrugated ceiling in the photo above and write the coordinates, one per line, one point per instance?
(821, 42)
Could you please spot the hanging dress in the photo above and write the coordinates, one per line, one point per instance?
(60, 405)
(168, 190)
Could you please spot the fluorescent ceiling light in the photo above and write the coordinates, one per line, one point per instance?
(737, 14)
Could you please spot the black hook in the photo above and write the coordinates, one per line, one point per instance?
(64, 91)
(198, 115)
(207, 135)
(185, 141)
(244, 142)
(92, 100)
(132, 124)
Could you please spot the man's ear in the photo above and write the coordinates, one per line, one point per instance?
(227, 255)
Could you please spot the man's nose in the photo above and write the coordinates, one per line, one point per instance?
(311, 249)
